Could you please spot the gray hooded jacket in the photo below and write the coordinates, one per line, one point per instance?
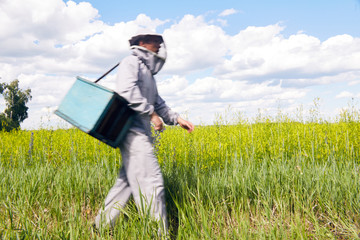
(136, 84)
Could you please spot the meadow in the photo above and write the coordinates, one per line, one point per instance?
(268, 178)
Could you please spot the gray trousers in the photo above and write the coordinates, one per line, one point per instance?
(140, 175)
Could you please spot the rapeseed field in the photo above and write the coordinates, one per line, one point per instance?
(269, 178)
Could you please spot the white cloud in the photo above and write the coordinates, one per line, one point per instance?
(146, 22)
(228, 12)
(207, 96)
(193, 44)
(173, 85)
(222, 22)
(213, 89)
(48, 23)
(263, 53)
(58, 38)
(345, 94)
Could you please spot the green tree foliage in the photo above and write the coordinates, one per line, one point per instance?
(16, 109)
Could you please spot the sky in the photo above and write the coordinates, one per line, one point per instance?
(229, 58)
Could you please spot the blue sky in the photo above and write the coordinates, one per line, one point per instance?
(251, 56)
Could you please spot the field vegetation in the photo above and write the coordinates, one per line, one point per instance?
(264, 178)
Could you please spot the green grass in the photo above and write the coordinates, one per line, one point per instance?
(263, 180)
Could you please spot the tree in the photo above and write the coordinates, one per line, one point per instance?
(16, 109)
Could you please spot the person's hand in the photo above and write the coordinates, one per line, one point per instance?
(185, 124)
(158, 124)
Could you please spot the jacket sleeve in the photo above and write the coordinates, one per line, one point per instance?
(170, 117)
(128, 88)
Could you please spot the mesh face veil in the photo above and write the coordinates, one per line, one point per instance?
(162, 53)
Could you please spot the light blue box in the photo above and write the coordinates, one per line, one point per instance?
(96, 110)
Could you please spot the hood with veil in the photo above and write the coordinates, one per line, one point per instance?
(152, 60)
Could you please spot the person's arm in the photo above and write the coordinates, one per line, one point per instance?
(185, 124)
(170, 117)
(158, 124)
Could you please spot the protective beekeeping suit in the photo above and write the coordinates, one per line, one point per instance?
(140, 174)
(136, 83)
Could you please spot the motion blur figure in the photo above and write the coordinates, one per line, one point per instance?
(140, 174)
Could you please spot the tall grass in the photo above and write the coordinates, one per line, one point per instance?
(268, 179)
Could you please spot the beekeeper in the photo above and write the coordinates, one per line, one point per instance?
(140, 174)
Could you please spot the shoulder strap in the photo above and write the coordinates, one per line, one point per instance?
(107, 73)
(104, 75)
